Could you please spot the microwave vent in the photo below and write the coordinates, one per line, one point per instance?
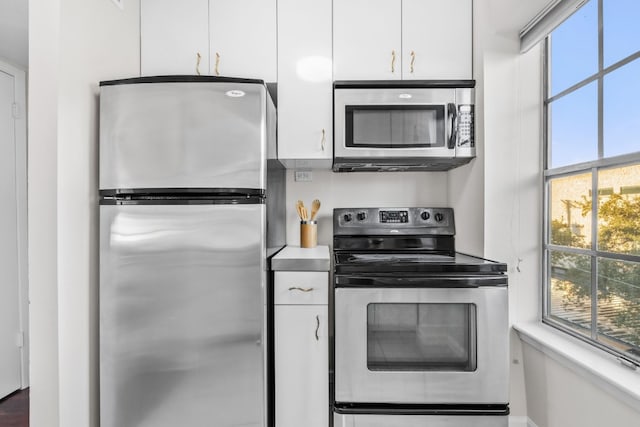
(421, 164)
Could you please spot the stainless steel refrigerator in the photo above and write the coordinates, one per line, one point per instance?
(191, 207)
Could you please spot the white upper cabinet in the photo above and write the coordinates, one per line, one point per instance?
(402, 39)
(305, 87)
(436, 39)
(367, 39)
(243, 38)
(172, 34)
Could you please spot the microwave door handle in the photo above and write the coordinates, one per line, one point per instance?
(453, 136)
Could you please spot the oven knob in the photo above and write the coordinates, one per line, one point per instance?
(347, 217)
(425, 215)
(362, 216)
(439, 217)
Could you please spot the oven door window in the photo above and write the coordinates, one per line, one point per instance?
(395, 126)
(421, 337)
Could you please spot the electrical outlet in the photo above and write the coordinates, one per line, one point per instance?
(303, 176)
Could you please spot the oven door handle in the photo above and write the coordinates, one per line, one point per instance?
(346, 281)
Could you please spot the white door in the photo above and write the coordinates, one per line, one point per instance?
(9, 286)
(243, 38)
(436, 39)
(172, 34)
(305, 87)
(367, 40)
(301, 366)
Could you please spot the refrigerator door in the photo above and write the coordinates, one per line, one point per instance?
(182, 315)
(196, 133)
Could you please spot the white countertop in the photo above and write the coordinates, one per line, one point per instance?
(295, 258)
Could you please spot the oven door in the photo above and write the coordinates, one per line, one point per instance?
(422, 345)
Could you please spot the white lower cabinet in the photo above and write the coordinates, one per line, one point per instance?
(301, 366)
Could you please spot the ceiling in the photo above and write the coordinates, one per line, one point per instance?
(14, 34)
(513, 15)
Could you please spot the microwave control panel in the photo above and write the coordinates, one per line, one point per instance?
(465, 126)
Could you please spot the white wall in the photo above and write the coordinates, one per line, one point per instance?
(42, 211)
(360, 189)
(558, 397)
(550, 394)
(513, 185)
(77, 44)
(14, 34)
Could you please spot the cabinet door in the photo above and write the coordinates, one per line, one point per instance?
(301, 365)
(305, 91)
(172, 34)
(366, 36)
(439, 34)
(243, 38)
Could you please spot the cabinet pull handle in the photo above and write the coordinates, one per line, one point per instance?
(393, 61)
(297, 288)
(323, 140)
(198, 58)
(413, 60)
(317, 327)
(217, 63)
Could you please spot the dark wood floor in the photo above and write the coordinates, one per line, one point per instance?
(14, 409)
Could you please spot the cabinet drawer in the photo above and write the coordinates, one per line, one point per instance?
(301, 287)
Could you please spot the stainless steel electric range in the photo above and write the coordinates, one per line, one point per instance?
(421, 331)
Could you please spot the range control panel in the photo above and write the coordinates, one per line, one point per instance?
(402, 221)
(387, 217)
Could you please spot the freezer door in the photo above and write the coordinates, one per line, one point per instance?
(182, 315)
(183, 135)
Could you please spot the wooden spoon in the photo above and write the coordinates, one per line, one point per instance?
(300, 209)
(315, 207)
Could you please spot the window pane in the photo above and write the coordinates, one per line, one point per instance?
(574, 48)
(570, 290)
(622, 110)
(621, 29)
(574, 127)
(619, 305)
(570, 204)
(619, 210)
(421, 337)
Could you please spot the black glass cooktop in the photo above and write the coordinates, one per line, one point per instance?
(414, 262)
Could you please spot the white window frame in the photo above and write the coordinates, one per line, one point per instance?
(591, 167)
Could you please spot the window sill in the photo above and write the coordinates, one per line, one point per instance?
(583, 359)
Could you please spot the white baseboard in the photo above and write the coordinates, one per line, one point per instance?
(521, 422)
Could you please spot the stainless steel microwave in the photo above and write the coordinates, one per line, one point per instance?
(403, 125)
